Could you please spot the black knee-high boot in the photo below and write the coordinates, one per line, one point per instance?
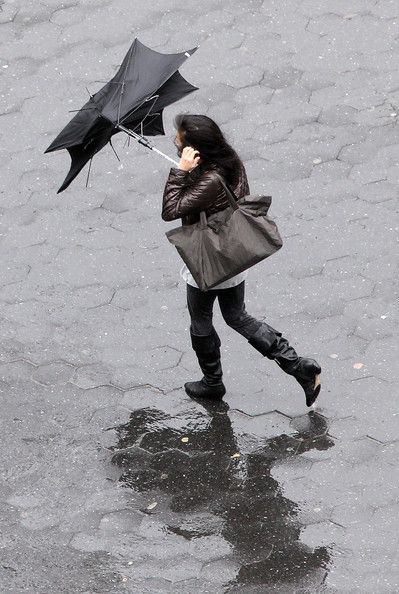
(271, 344)
(208, 354)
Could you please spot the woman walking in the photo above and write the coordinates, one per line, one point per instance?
(194, 186)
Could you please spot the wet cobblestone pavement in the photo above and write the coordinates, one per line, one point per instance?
(112, 479)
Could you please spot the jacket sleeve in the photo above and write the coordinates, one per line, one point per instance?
(181, 198)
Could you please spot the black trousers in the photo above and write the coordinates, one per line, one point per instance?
(232, 306)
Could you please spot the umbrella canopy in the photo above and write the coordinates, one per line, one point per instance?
(134, 99)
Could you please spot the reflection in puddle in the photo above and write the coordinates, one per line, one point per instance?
(218, 482)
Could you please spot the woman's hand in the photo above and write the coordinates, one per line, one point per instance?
(189, 159)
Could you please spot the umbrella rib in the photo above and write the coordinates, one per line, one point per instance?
(120, 102)
(123, 82)
(88, 173)
(148, 112)
(154, 115)
(131, 112)
(83, 109)
(126, 116)
(140, 124)
(112, 146)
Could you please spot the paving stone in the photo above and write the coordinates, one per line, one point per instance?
(53, 373)
(267, 425)
(120, 521)
(388, 452)
(384, 427)
(323, 533)
(310, 426)
(346, 429)
(291, 469)
(177, 569)
(10, 372)
(381, 357)
(93, 542)
(207, 548)
(195, 586)
(338, 115)
(92, 376)
(219, 571)
(361, 451)
(139, 585)
(350, 347)
(313, 512)
(106, 500)
(347, 514)
(109, 416)
(11, 350)
(200, 525)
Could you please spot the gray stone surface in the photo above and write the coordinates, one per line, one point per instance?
(112, 479)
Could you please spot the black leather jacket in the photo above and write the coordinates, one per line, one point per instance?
(187, 193)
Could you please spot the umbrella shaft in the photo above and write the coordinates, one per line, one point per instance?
(145, 143)
(165, 156)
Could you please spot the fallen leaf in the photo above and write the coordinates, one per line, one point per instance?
(235, 456)
(184, 439)
(358, 365)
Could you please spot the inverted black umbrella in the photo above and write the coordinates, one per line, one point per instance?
(133, 101)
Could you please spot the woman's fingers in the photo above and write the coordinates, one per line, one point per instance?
(189, 159)
(188, 151)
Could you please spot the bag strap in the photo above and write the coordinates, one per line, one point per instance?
(232, 198)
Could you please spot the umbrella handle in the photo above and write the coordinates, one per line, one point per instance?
(145, 143)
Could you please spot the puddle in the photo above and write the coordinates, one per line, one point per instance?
(218, 482)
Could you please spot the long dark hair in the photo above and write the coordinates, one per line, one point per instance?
(204, 134)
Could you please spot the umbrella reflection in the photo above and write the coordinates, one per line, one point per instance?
(213, 488)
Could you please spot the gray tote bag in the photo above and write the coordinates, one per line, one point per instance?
(227, 242)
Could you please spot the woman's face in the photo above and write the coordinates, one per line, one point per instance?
(179, 144)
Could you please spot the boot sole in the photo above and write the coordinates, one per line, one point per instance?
(215, 396)
(317, 387)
